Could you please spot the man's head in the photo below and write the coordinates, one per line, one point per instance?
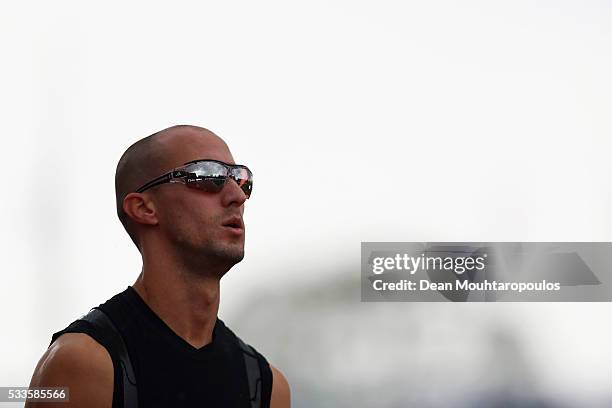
(172, 217)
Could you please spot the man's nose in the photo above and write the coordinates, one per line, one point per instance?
(232, 193)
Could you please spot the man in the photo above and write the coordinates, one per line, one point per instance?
(181, 199)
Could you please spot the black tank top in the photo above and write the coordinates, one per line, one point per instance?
(169, 371)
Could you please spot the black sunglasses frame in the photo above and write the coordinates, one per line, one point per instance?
(179, 173)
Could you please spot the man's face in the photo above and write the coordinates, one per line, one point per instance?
(195, 221)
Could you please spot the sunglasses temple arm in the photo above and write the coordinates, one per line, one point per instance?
(155, 182)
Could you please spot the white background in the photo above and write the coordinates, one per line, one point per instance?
(362, 121)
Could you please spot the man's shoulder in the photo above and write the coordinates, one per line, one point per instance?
(75, 349)
(77, 361)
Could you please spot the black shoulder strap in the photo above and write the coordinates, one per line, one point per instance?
(101, 321)
(253, 373)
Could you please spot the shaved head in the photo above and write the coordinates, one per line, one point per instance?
(150, 157)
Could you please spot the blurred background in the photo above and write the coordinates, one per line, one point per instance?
(362, 121)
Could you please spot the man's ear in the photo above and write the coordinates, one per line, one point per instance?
(140, 209)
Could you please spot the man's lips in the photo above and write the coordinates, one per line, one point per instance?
(235, 223)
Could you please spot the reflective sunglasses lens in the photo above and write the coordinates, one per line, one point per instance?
(208, 184)
(211, 177)
(244, 178)
(206, 176)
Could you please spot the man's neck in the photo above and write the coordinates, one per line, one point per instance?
(187, 303)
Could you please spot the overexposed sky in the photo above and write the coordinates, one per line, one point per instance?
(362, 121)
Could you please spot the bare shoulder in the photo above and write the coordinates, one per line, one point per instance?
(281, 394)
(80, 363)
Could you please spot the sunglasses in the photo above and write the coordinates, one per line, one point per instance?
(206, 175)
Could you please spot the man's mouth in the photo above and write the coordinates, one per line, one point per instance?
(234, 223)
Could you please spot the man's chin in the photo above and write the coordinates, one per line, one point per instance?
(231, 255)
(235, 258)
